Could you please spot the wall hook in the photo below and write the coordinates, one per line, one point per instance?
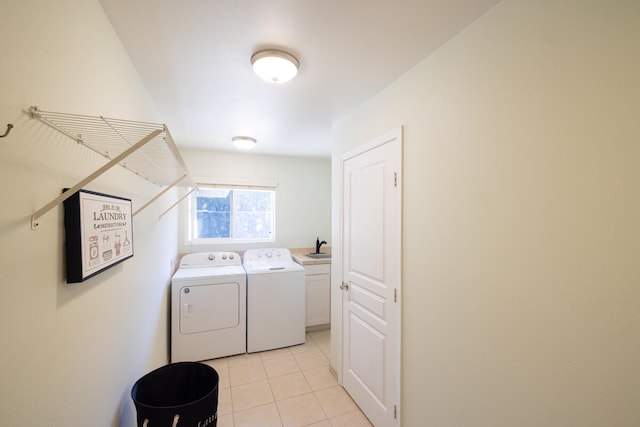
(9, 127)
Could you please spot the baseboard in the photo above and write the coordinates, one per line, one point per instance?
(318, 327)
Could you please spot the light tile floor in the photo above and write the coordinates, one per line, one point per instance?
(288, 387)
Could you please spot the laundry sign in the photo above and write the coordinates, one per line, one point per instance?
(98, 231)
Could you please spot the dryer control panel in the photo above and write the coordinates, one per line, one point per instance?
(210, 259)
(270, 254)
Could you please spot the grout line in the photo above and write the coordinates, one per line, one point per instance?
(262, 363)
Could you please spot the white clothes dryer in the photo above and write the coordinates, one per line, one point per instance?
(208, 307)
(275, 299)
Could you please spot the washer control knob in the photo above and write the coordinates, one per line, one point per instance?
(224, 256)
(211, 257)
(269, 255)
(231, 256)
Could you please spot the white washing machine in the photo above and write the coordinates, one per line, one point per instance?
(208, 307)
(275, 299)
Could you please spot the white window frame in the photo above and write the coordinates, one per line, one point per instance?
(229, 185)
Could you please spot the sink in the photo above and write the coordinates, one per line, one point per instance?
(320, 255)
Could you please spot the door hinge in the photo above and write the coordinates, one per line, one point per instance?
(395, 411)
(395, 179)
(395, 295)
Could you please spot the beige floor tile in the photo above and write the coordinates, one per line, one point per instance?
(335, 401)
(225, 421)
(251, 395)
(300, 411)
(247, 373)
(271, 354)
(286, 386)
(281, 366)
(242, 359)
(224, 401)
(327, 352)
(223, 374)
(319, 378)
(309, 345)
(311, 359)
(351, 419)
(221, 363)
(323, 340)
(260, 416)
(322, 337)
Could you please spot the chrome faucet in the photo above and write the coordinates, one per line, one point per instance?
(319, 244)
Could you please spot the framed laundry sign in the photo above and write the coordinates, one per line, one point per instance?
(98, 232)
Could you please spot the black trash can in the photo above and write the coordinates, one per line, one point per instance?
(183, 394)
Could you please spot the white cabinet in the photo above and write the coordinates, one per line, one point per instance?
(318, 298)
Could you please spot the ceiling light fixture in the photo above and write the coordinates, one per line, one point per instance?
(274, 66)
(244, 142)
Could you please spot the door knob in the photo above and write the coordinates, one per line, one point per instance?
(344, 286)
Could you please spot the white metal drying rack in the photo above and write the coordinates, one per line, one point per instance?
(146, 149)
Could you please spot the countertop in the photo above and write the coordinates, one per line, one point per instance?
(299, 255)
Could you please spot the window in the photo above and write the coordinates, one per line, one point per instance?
(221, 214)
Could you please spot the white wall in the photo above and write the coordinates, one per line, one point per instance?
(69, 354)
(521, 299)
(303, 195)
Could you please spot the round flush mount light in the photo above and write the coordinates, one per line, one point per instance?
(274, 66)
(244, 142)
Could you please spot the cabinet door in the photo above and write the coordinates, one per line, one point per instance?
(318, 299)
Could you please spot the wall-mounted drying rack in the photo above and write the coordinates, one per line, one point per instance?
(6, 132)
(146, 149)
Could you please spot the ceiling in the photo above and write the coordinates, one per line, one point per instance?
(194, 58)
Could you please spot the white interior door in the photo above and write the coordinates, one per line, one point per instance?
(371, 246)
